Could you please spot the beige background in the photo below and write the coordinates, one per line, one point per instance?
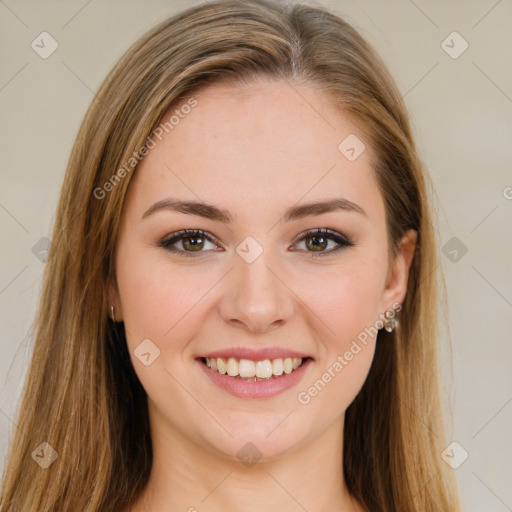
(462, 111)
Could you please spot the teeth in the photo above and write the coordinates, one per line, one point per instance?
(222, 365)
(246, 368)
(264, 369)
(232, 367)
(253, 370)
(277, 367)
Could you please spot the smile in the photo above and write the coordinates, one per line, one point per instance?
(246, 369)
(246, 378)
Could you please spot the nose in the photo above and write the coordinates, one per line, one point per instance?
(256, 296)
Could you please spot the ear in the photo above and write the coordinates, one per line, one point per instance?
(114, 300)
(398, 272)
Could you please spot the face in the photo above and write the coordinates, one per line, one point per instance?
(247, 288)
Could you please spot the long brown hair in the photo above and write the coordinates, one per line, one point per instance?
(82, 396)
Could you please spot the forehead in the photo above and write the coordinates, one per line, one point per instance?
(267, 143)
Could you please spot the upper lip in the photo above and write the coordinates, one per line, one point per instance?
(255, 354)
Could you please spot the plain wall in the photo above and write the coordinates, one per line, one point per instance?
(462, 114)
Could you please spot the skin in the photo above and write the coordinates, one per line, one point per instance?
(254, 151)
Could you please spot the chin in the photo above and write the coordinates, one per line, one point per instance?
(263, 440)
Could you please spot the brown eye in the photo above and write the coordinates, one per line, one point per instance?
(194, 243)
(191, 240)
(317, 241)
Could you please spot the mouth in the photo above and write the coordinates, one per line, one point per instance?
(254, 371)
(248, 378)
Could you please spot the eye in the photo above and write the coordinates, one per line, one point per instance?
(317, 240)
(192, 242)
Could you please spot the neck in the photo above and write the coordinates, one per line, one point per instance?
(187, 476)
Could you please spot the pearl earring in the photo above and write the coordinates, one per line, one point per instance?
(391, 323)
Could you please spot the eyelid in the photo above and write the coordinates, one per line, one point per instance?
(172, 238)
(335, 235)
(342, 240)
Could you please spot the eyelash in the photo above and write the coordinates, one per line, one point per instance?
(170, 240)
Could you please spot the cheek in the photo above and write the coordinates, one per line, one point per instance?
(346, 303)
(346, 298)
(163, 304)
(346, 355)
(159, 301)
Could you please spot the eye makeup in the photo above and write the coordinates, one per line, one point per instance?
(191, 248)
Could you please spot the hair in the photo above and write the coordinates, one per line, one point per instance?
(82, 395)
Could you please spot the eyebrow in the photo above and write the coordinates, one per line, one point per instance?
(211, 212)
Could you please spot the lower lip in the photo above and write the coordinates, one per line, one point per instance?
(256, 389)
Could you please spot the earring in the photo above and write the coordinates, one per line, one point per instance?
(391, 322)
(113, 316)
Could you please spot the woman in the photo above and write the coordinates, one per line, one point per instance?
(239, 307)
